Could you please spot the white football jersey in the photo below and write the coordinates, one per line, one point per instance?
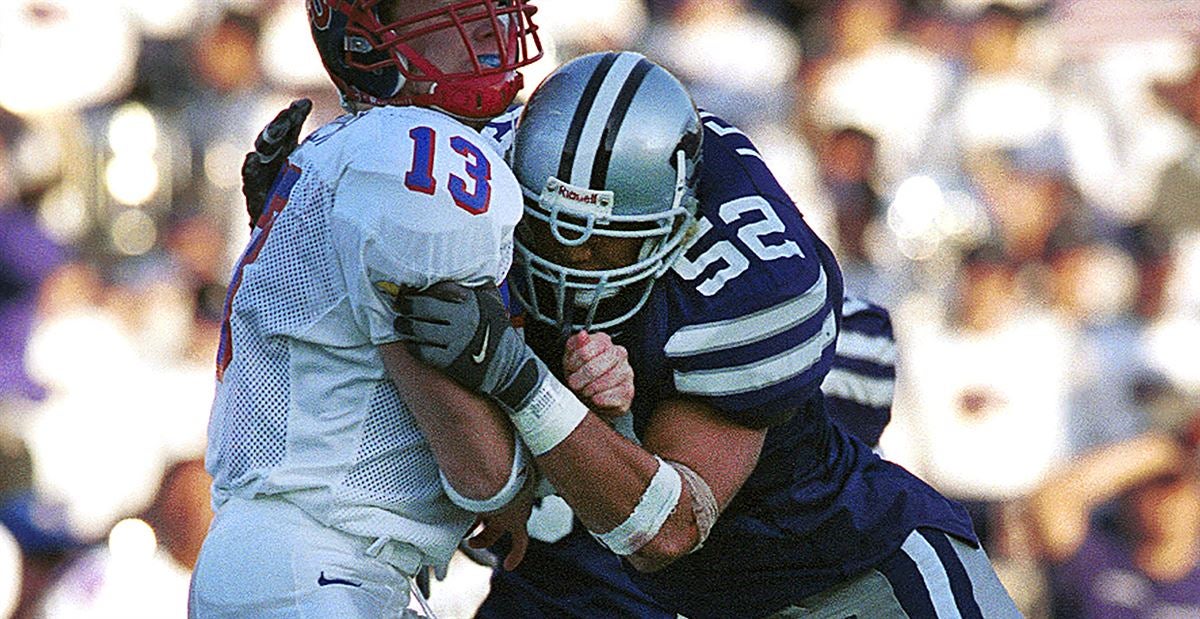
(393, 196)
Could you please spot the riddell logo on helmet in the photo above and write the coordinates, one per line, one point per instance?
(579, 199)
(575, 196)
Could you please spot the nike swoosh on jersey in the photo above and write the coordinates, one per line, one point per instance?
(322, 581)
(478, 358)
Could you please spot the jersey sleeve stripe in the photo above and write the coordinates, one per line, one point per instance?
(869, 391)
(750, 152)
(865, 347)
(724, 334)
(724, 131)
(759, 374)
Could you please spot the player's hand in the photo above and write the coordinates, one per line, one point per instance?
(466, 333)
(271, 148)
(598, 372)
(513, 520)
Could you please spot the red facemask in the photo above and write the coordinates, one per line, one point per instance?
(370, 60)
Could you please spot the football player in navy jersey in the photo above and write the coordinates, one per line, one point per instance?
(566, 573)
(735, 495)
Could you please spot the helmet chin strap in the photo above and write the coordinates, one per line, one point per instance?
(568, 315)
(353, 106)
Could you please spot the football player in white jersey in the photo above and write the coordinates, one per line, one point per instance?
(326, 438)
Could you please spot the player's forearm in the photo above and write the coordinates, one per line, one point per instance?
(598, 472)
(624, 494)
(603, 477)
(471, 439)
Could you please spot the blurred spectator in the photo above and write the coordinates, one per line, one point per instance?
(982, 393)
(732, 58)
(1142, 557)
(906, 131)
(1171, 268)
(1174, 208)
(1170, 242)
(10, 566)
(872, 77)
(1092, 284)
(1117, 136)
(228, 103)
(37, 531)
(108, 351)
(847, 162)
(181, 512)
(1025, 201)
(190, 244)
(582, 28)
(144, 569)
(27, 257)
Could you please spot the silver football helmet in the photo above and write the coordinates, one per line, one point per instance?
(608, 147)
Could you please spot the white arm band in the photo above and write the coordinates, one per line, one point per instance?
(657, 503)
(704, 504)
(516, 481)
(552, 413)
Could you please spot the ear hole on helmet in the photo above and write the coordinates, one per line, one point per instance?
(689, 143)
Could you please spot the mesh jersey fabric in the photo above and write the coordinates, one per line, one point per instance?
(304, 409)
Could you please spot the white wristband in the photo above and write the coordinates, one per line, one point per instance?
(552, 413)
(657, 503)
(516, 481)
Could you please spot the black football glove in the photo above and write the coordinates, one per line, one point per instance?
(466, 333)
(271, 148)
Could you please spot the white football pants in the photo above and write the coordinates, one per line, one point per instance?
(267, 558)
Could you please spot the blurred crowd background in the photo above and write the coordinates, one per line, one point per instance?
(1017, 181)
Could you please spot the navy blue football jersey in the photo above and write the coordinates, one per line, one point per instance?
(747, 321)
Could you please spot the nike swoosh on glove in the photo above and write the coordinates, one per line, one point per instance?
(466, 333)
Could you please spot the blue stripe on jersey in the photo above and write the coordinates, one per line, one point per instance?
(867, 318)
(908, 583)
(864, 367)
(506, 296)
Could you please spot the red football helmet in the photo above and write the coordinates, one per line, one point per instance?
(370, 61)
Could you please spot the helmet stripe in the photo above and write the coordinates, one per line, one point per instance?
(597, 118)
(615, 120)
(581, 113)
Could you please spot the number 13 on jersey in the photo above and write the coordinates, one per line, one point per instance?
(474, 196)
